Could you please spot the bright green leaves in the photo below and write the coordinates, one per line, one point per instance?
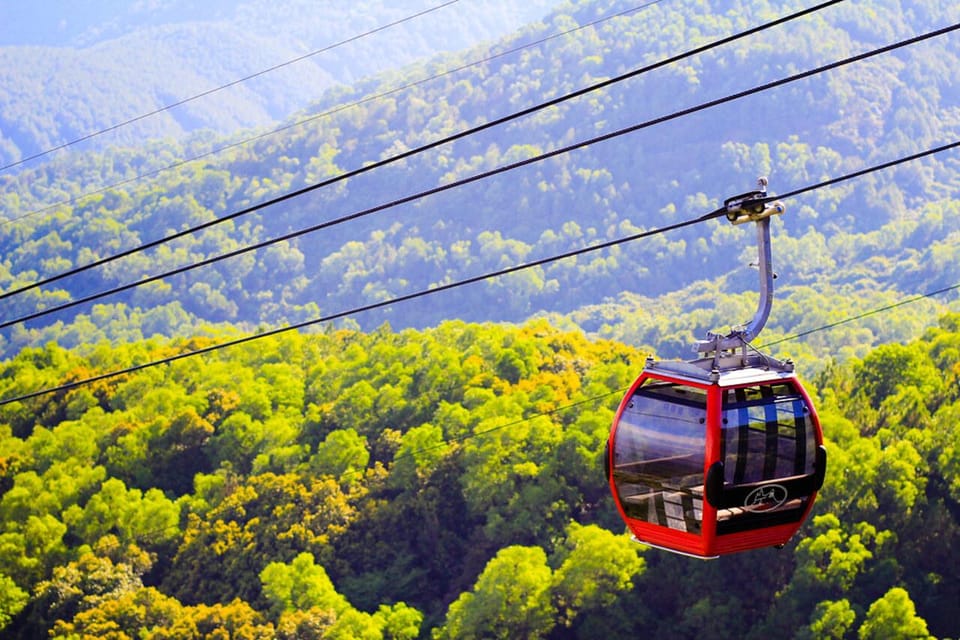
(300, 585)
(293, 444)
(831, 558)
(108, 571)
(504, 480)
(893, 370)
(343, 455)
(511, 599)
(421, 450)
(410, 466)
(134, 516)
(12, 599)
(948, 461)
(31, 549)
(147, 612)
(266, 518)
(833, 620)
(518, 595)
(305, 603)
(839, 566)
(893, 617)
(595, 567)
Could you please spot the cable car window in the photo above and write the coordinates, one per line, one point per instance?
(658, 455)
(767, 435)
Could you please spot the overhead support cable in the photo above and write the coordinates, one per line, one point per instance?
(493, 172)
(330, 112)
(717, 213)
(233, 83)
(426, 147)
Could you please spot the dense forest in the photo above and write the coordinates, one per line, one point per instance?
(432, 468)
(442, 483)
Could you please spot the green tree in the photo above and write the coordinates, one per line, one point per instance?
(106, 572)
(400, 622)
(33, 549)
(300, 585)
(356, 624)
(146, 612)
(12, 600)
(421, 449)
(260, 519)
(182, 452)
(312, 624)
(511, 599)
(595, 567)
(146, 518)
(832, 558)
(832, 619)
(304, 587)
(890, 368)
(893, 617)
(343, 453)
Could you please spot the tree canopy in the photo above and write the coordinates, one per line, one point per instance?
(464, 496)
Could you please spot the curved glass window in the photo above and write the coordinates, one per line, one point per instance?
(658, 455)
(767, 434)
(768, 441)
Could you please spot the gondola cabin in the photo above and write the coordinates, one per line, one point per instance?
(706, 460)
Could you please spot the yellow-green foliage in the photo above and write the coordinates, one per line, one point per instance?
(355, 483)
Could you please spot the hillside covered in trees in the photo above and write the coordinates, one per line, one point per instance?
(839, 251)
(444, 483)
(66, 74)
(432, 468)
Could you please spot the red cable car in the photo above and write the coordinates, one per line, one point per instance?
(724, 453)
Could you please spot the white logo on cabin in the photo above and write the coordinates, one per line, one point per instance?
(769, 497)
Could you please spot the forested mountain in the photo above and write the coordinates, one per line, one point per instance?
(432, 468)
(855, 246)
(67, 72)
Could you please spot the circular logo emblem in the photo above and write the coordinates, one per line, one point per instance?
(769, 497)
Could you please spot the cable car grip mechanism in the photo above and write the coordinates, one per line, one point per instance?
(753, 206)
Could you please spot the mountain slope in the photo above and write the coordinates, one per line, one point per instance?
(847, 249)
(121, 61)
